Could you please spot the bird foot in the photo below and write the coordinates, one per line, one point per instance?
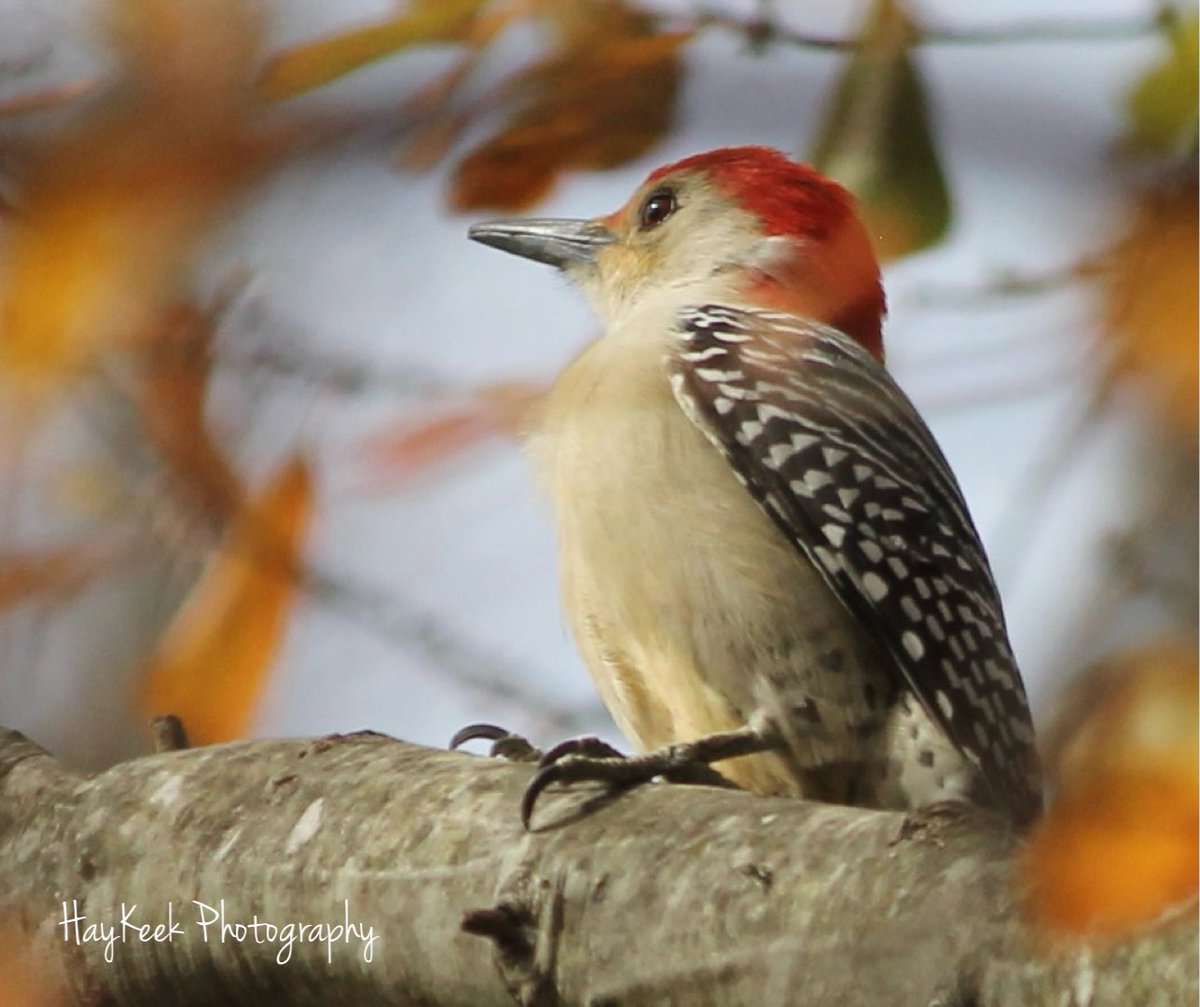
(505, 744)
(591, 760)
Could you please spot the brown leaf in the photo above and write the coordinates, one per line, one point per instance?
(604, 96)
(178, 366)
(211, 665)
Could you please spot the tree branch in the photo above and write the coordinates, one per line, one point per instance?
(664, 894)
(759, 31)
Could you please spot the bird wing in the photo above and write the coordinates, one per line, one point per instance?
(838, 458)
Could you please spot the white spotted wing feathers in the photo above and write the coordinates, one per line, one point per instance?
(836, 455)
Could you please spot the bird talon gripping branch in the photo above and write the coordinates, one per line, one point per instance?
(591, 760)
(586, 748)
(571, 769)
(505, 744)
(753, 520)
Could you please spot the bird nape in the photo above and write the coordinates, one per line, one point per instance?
(763, 550)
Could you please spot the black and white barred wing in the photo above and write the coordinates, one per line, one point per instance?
(838, 458)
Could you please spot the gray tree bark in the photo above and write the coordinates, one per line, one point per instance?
(659, 895)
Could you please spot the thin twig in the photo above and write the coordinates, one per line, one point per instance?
(253, 338)
(969, 399)
(338, 377)
(389, 615)
(169, 733)
(759, 31)
(1011, 283)
(45, 98)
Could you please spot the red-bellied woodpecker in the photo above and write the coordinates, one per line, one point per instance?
(760, 539)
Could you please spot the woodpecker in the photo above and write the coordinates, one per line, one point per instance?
(762, 547)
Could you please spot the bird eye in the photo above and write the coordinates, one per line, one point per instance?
(659, 205)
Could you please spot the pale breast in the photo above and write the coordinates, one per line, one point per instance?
(691, 609)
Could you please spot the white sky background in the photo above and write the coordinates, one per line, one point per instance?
(353, 260)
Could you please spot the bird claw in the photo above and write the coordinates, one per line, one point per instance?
(505, 744)
(575, 768)
(590, 760)
(476, 732)
(573, 761)
(588, 747)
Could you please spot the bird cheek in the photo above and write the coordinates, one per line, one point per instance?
(625, 268)
(777, 256)
(603, 282)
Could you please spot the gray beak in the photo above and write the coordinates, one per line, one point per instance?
(560, 243)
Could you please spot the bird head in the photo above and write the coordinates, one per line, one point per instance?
(744, 225)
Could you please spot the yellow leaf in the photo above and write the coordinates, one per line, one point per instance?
(311, 64)
(1162, 107)
(111, 208)
(211, 664)
(877, 139)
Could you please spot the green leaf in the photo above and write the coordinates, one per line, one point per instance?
(1162, 106)
(877, 140)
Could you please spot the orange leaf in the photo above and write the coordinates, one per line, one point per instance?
(211, 664)
(500, 409)
(605, 96)
(113, 206)
(31, 977)
(1121, 843)
(1152, 304)
(311, 64)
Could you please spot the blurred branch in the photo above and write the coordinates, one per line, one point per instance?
(47, 97)
(481, 672)
(1010, 283)
(338, 377)
(52, 576)
(971, 398)
(1155, 557)
(760, 31)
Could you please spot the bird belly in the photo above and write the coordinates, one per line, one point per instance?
(691, 609)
